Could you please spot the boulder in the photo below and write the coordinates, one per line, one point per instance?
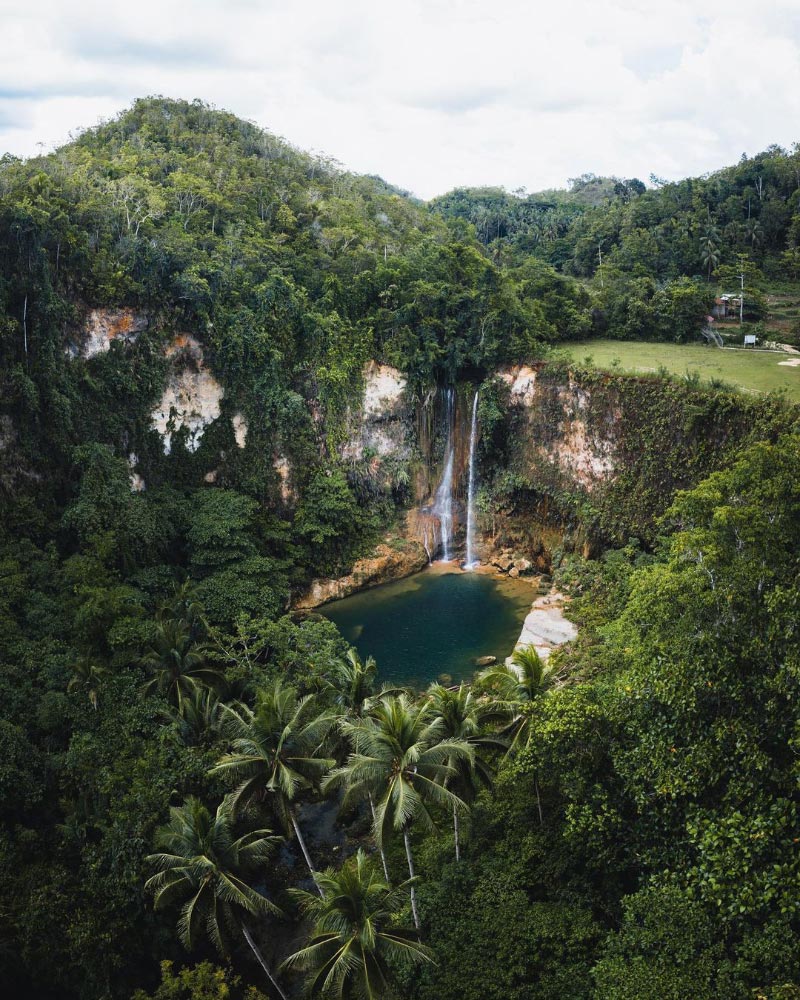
(485, 661)
(503, 562)
(513, 572)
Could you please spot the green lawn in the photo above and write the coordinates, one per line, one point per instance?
(753, 371)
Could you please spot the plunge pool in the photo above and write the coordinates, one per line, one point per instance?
(433, 625)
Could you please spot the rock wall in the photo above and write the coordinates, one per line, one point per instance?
(581, 459)
(240, 429)
(102, 326)
(280, 463)
(192, 397)
(549, 432)
(554, 426)
(378, 424)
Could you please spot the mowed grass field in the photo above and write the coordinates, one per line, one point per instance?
(753, 371)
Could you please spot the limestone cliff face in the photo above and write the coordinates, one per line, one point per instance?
(192, 397)
(593, 456)
(553, 438)
(103, 326)
(553, 429)
(282, 466)
(379, 426)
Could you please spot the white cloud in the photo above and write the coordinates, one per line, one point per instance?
(429, 94)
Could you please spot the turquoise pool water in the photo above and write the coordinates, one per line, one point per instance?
(433, 625)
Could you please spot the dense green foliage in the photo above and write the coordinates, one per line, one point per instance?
(651, 250)
(177, 751)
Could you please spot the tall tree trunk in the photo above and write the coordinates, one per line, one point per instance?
(304, 849)
(407, 842)
(455, 831)
(380, 848)
(538, 800)
(249, 938)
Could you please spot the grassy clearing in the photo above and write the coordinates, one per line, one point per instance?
(753, 371)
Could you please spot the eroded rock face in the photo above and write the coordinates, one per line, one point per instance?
(521, 380)
(383, 389)
(585, 458)
(239, 429)
(378, 425)
(192, 398)
(137, 481)
(106, 325)
(280, 464)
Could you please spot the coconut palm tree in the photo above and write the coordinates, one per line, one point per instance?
(709, 245)
(463, 717)
(402, 758)
(516, 686)
(352, 683)
(89, 676)
(198, 718)
(354, 942)
(276, 752)
(208, 872)
(753, 231)
(183, 604)
(519, 682)
(179, 665)
(709, 255)
(710, 232)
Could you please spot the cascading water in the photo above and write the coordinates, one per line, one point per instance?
(473, 436)
(443, 501)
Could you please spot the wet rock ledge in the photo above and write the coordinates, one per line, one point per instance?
(388, 562)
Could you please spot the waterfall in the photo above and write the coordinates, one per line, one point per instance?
(473, 434)
(443, 501)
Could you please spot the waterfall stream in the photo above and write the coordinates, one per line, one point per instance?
(473, 435)
(443, 501)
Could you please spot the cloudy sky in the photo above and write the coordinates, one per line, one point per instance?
(430, 94)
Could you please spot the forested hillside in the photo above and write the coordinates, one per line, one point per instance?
(640, 244)
(203, 795)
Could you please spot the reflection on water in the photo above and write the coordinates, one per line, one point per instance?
(434, 624)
